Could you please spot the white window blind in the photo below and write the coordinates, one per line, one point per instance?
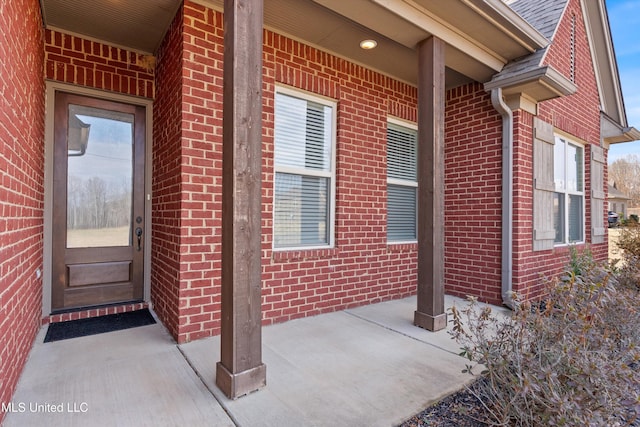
(304, 175)
(402, 182)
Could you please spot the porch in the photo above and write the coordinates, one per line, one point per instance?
(364, 366)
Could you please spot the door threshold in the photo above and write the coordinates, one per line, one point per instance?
(93, 311)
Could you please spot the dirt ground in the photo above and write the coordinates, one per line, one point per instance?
(614, 251)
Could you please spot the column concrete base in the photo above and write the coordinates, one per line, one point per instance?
(241, 383)
(428, 322)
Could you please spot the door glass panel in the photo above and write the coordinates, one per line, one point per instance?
(99, 177)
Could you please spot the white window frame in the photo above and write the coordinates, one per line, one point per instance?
(330, 174)
(566, 141)
(402, 182)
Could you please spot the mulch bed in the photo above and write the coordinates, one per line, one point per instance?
(461, 409)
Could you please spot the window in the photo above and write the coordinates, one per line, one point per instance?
(304, 170)
(402, 182)
(568, 197)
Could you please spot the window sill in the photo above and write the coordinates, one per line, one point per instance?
(300, 254)
(402, 246)
(567, 245)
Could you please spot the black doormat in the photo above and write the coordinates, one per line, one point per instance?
(98, 325)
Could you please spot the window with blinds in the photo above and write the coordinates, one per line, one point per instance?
(304, 137)
(402, 182)
(568, 198)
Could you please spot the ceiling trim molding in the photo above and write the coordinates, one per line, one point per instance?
(505, 18)
(98, 40)
(612, 133)
(425, 20)
(604, 59)
(212, 4)
(538, 84)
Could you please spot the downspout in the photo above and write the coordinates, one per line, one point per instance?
(507, 196)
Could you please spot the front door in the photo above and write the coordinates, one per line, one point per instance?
(98, 202)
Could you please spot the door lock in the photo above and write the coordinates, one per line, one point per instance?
(139, 235)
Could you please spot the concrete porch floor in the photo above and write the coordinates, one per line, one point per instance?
(367, 366)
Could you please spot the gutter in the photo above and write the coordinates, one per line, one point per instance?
(507, 196)
(503, 17)
(548, 82)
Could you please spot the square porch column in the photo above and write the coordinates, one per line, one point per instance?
(431, 103)
(240, 370)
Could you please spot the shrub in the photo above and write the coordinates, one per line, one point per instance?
(629, 240)
(572, 360)
(628, 269)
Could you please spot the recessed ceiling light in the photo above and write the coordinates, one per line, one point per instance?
(368, 44)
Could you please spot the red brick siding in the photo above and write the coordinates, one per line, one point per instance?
(201, 173)
(577, 115)
(74, 60)
(362, 268)
(166, 217)
(21, 186)
(94, 312)
(71, 59)
(473, 194)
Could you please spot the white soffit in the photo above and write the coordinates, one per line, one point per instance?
(487, 31)
(139, 25)
(337, 26)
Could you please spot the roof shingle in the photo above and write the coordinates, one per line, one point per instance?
(544, 16)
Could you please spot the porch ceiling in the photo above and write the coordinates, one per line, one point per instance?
(481, 35)
(138, 25)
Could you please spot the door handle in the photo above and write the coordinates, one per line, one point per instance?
(139, 235)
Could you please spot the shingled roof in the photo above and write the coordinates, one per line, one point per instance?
(544, 15)
(530, 75)
(541, 81)
(614, 193)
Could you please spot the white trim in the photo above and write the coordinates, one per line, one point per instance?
(558, 135)
(429, 22)
(331, 174)
(97, 40)
(609, 67)
(305, 94)
(402, 122)
(400, 182)
(301, 171)
(51, 87)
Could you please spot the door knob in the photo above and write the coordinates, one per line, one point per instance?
(139, 235)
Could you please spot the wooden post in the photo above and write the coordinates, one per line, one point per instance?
(431, 102)
(240, 370)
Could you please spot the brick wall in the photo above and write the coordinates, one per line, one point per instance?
(201, 173)
(71, 59)
(74, 60)
(473, 194)
(187, 183)
(577, 115)
(187, 175)
(166, 214)
(362, 268)
(94, 312)
(21, 186)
